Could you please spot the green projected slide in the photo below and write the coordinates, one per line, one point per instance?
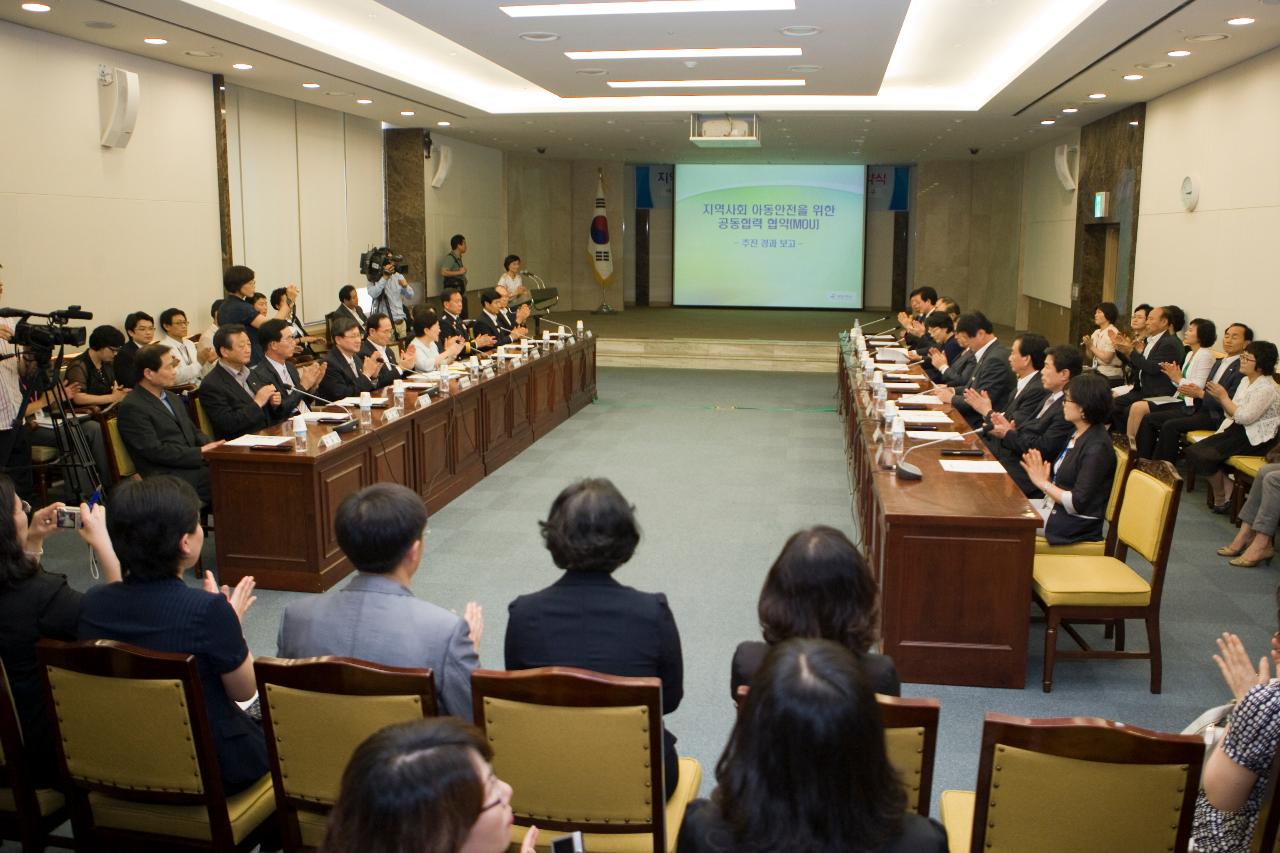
(769, 236)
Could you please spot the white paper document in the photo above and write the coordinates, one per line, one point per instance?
(326, 417)
(919, 399)
(971, 466)
(902, 386)
(890, 367)
(250, 440)
(925, 416)
(891, 354)
(927, 435)
(1121, 390)
(378, 402)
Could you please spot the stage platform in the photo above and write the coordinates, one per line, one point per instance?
(717, 338)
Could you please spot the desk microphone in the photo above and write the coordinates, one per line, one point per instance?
(546, 319)
(906, 471)
(866, 326)
(346, 426)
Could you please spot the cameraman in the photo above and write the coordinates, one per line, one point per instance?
(15, 453)
(392, 291)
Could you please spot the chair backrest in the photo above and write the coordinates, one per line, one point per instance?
(202, 420)
(1126, 457)
(13, 770)
(1148, 514)
(121, 464)
(582, 750)
(316, 711)
(910, 741)
(1079, 783)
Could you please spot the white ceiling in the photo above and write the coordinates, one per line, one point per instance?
(898, 81)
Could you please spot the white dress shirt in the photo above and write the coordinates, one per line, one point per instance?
(189, 367)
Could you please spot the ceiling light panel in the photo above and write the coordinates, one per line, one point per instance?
(701, 84)
(645, 7)
(684, 53)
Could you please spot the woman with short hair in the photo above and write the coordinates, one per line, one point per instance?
(805, 769)
(423, 787)
(427, 354)
(589, 620)
(1099, 348)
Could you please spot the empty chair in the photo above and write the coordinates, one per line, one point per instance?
(28, 814)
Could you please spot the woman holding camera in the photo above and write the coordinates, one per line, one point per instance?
(34, 604)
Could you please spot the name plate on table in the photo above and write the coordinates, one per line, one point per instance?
(918, 399)
(891, 367)
(488, 373)
(423, 401)
(390, 415)
(465, 381)
(535, 353)
(330, 439)
(902, 386)
(925, 416)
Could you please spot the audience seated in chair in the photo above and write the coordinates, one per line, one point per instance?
(805, 768)
(428, 354)
(1026, 358)
(34, 604)
(1145, 359)
(1252, 420)
(1237, 771)
(1197, 363)
(1047, 431)
(423, 786)
(141, 329)
(173, 322)
(375, 616)
(991, 374)
(1161, 432)
(278, 347)
(1255, 541)
(347, 373)
(819, 587)
(1098, 347)
(155, 529)
(1077, 485)
(379, 335)
(94, 370)
(587, 619)
(235, 398)
(946, 348)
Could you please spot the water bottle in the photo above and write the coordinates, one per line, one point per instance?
(897, 438)
(366, 409)
(300, 434)
(579, 328)
(882, 397)
(857, 330)
(397, 391)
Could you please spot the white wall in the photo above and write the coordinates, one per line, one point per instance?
(472, 203)
(114, 230)
(1221, 260)
(1048, 226)
(306, 194)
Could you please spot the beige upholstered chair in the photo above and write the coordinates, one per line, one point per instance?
(583, 752)
(1092, 589)
(1074, 784)
(137, 751)
(27, 814)
(121, 464)
(315, 712)
(1126, 456)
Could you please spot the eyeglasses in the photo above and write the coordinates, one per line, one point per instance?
(1247, 357)
(490, 783)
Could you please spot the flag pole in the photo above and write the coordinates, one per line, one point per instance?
(600, 248)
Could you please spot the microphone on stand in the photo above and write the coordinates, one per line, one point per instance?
(347, 425)
(866, 326)
(906, 471)
(554, 323)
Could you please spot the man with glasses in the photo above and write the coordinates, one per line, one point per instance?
(94, 371)
(347, 373)
(141, 329)
(174, 323)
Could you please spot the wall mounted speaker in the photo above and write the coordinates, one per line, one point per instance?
(442, 165)
(1066, 159)
(118, 98)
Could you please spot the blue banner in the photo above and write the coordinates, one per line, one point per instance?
(653, 186)
(887, 187)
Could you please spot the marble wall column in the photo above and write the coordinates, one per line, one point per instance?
(224, 174)
(406, 176)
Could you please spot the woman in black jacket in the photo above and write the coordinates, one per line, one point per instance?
(819, 587)
(1077, 485)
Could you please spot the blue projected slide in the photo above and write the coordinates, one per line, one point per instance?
(769, 236)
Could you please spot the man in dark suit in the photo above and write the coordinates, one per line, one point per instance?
(1047, 430)
(923, 302)
(347, 373)
(1161, 432)
(279, 343)
(453, 325)
(489, 323)
(1026, 358)
(1162, 345)
(141, 329)
(377, 344)
(992, 373)
(236, 400)
(349, 307)
(155, 427)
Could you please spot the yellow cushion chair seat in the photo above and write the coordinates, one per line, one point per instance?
(957, 818)
(48, 800)
(598, 842)
(1198, 435)
(1075, 549)
(247, 811)
(1063, 581)
(313, 826)
(1248, 465)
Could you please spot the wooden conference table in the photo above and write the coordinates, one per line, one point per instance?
(952, 553)
(275, 510)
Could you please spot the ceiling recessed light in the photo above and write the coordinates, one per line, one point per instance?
(1098, 96)
(202, 54)
(36, 7)
(698, 84)
(1177, 54)
(684, 53)
(1240, 22)
(242, 66)
(800, 31)
(1133, 76)
(1046, 122)
(539, 37)
(1070, 109)
(1153, 66)
(156, 41)
(364, 100)
(406, 113)
(1207, 37)
(100, 25)
(638, 7)
(442, 124)
(311, 85)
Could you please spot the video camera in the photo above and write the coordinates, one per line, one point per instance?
(41, 338)
(372, 262)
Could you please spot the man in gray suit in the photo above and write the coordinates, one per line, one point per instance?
(375, 616)
(992, 374)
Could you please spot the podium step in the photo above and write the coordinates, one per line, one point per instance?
(716, 354)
